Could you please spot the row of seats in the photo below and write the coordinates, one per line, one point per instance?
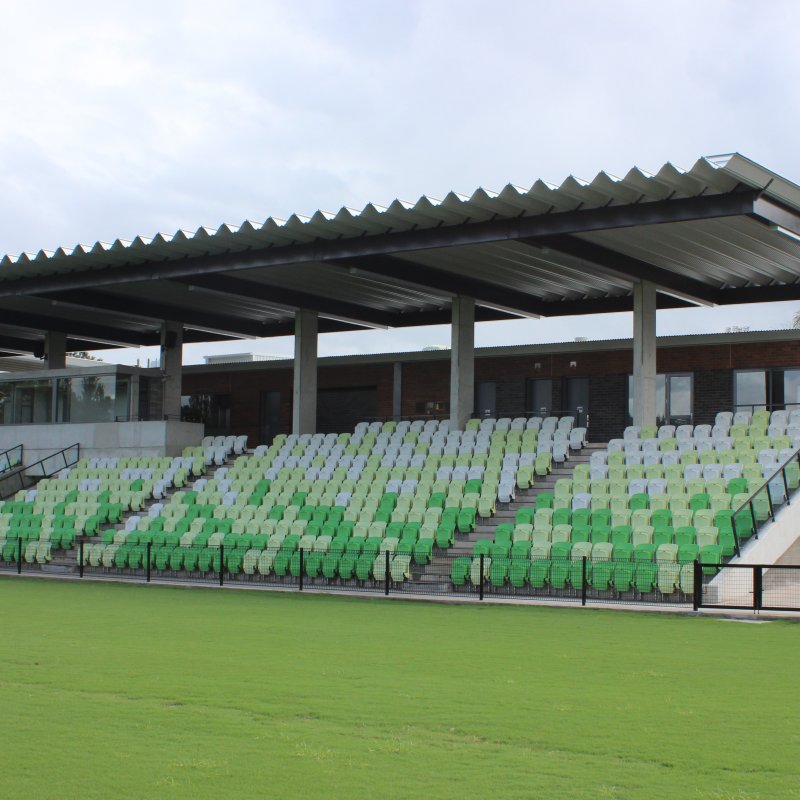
(619, 577)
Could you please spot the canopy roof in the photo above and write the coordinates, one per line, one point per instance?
(725, 231)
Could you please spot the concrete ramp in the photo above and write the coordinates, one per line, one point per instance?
(778, 544)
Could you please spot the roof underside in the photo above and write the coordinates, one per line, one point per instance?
(725, 231)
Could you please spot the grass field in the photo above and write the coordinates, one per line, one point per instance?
(148, 692)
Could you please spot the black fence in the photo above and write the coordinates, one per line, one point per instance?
(420, 572)
(751, 587)
(581, 581)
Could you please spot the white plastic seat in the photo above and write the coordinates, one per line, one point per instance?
(631, 432)
(724, 418)
(666, 432)
(691, 472)
(730, 471)
(577, 438)
(712, 471)
(702, 431)
(581, 500)
(637, 486)
(742, 418)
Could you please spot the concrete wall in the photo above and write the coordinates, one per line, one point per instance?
(103, 438)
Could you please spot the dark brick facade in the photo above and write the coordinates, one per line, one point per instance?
(424, 381)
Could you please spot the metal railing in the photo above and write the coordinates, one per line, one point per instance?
(581, 581)
(10, 459)
(748, 587)
(43, 468)
(749, 503)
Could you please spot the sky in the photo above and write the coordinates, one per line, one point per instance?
(121, 119)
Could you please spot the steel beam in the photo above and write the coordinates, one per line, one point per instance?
(192, 317)
(290, 298)
(447, 283)
(392, 243)
(621, 265)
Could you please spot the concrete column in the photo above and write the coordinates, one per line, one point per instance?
(397, 391)
(304, 400)
(55, 350)
(644, 353)
(170, 363)
(462, 362)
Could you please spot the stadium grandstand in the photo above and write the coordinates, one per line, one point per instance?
(645, 470)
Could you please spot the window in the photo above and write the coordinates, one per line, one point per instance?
(750, 389)
(673, 399)
(432, 407)
(772, 388)
(213, 410)
(92, 398)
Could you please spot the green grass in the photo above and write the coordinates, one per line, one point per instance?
(150, 692)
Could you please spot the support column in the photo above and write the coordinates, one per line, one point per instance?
(304, 401)
(170, 363)
(397, 391)
(55, 350)
(644, 353)
(462, 362)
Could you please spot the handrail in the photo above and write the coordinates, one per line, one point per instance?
(25, 472)
(795, 456)
(10, 463)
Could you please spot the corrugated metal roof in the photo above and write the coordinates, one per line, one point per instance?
(709, 175)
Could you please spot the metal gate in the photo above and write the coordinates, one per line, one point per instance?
(749, 587)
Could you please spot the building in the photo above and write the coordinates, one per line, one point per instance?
(696, 377)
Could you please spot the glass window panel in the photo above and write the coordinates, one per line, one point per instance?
(750, 389)
(680, 396)
(791, 388)
(213, 410)
(33, 401)
(122, 408)
(90, 398)
(6, 403)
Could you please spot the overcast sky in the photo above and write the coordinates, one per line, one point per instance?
(122, 118)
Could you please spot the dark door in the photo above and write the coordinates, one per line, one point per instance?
(486, 399)
(576, 396)
(270, 416)
(539, 396)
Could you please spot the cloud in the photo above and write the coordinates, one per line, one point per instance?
(126, 119)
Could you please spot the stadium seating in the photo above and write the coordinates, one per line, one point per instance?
(641, 511)
(81, 498)
(343, 500)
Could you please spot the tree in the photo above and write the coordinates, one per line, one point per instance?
(796, 319)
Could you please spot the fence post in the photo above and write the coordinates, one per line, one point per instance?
(769, 500)
(758, 588)
(753, 517)
(785, 485)
(698, 586)
(480, 583)
(148, 556)
(19, 556)
(735, 535)
(386, 575)
(221, 564)
(80, 558)
(583, 581)
(302, 567)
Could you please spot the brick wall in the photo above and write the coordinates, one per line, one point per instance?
(430, 381)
